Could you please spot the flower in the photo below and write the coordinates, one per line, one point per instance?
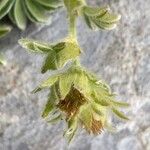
(72, 102)
(81, 99)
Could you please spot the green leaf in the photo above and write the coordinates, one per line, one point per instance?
(119, 104)
(19, 15)
(74, 76)
(36, 11)
(46, 84)
(65, 83)
(94, 11)
(55, 119)
(109, 18)
(104, 26)
(119, 114)
(88, 22)
(50, 3)
(28, 14)
(11, 15)
(4, 29)
(71, 51)
(72, 127)
(59, 46)
(50, 62)
(2, 60)
(102, 101)
(97, 109)
(5, 6)
(85, 116)
(50, 105)
(82, 82)
(100, 17)
(35, 46)
(61, 54)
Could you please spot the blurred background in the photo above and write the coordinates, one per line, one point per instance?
(120, 56)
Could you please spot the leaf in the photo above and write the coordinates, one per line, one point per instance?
(35, 10)
(119, 104)
(72, 127)
(99, 112)
(94, 11)
(59, 46)
(50, 105)
(55, 119)
(50, 62)
(19, 15)
(4, 29)
(21, 10)
(46, 84)
(104, 26)
(5, 6)
(109, 18)
(2, 60)
(71, 51)
(119, 114)
(88, 22)
(61, 54)
(97, 109)
(35, 46)
(11, 15)
(50, 3)
(28, 14)
(85, 116)
(75, 77)
(65, 83)
(82, 82)
(100, 17)
(102, 101)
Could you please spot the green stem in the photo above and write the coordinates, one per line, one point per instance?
(72, 26)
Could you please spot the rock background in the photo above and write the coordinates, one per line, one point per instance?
(121, 57)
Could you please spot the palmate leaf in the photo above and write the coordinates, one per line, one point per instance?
(57, 55)
(34, 10)
(62, 53)
(4, 29)
(5, 6)
(99, 18)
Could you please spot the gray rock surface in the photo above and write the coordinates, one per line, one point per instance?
(121, 57)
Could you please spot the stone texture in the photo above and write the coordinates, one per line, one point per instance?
(121, 57)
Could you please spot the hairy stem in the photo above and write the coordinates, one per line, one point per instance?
(72, 26)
